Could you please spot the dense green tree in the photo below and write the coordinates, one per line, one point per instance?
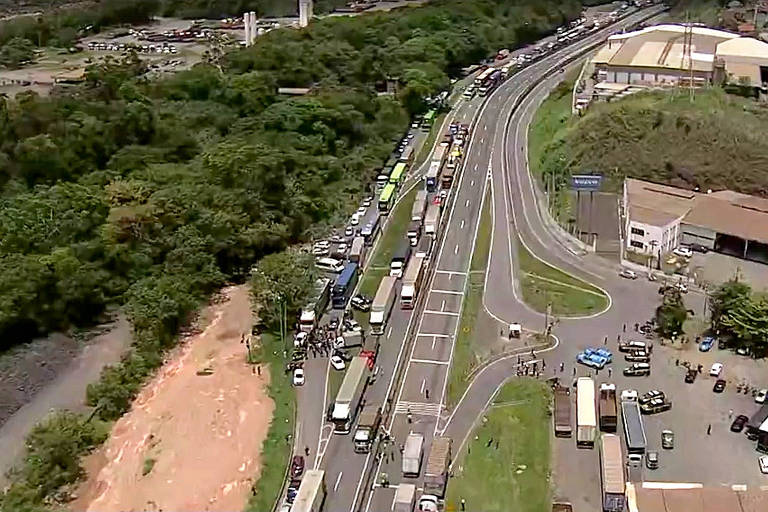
(672, 313)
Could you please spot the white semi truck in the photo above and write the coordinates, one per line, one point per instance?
(382, 304)
(413, 452)
(350, 395)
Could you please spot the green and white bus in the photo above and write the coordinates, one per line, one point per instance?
(428, 121)
(398, 173)
(387, 198)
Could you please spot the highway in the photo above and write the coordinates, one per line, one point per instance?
(495, 160)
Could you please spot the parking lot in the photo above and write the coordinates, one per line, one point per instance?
(720, 458)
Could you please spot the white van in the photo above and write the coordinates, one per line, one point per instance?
(329, 265)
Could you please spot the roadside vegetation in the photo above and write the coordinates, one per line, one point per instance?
(505, 464)
(150, 195)
(543, 285)
(665, 137)
(467, 353)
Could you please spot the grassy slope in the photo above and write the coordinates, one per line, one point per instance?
(276, 450)
(487, 477)
(714, 142)
(464, 357)
(568, 295)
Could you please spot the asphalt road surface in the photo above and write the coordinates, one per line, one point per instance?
(495, 158)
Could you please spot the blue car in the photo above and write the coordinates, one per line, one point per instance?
(706, 344)
(593, 360)
(600, 352)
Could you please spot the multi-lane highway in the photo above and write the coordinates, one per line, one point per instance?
(418, 347)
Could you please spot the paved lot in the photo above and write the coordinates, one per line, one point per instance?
(720, 459)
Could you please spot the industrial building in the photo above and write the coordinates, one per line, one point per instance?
(671, 55)
(658, 218)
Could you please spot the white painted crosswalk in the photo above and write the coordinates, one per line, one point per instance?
(418, 408)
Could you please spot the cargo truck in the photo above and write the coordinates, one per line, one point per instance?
(607, 406)
(357, 251)
(612, 473)
(634, 432)
(413, 452)
(414, 230)
(405, 497)
(562, 417)
(367, 427)
(419, 205)
(586, 424)
(399, 259)
(436, 474)
(382, 304)
(432, 220)
(311, 313)
(350, 395)
(311, 494)
(414, 275)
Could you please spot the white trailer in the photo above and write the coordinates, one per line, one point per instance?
(414, 275)
(586, 414)
(382, 305)
(404, 498)
(419, 205)
(412, 454)
(350, 394)
(312, 492)
(432, 220)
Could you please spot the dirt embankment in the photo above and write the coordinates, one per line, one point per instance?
(193, 437)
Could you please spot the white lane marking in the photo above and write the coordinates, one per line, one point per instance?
(389, 332)
(423, 385)
(449, 292)
(456, 249)
(336, 485)
(446, 313)
(462, 224)
(430, 361)
(442, 305)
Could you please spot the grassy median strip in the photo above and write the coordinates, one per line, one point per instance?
(505, 464)
(465, 359)
(276, 450)
(543, 284)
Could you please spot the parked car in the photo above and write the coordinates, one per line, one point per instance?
(762, 462)
(716, 370)
(739, 423)
(637, 370)
(682, 251)
(655, 406)
(628, 274)
(593, 361)
(638, 356)
(298, 377)
(667, 439)
(690, 376)
(652, 460)
(706, 344)
(719, 386)
(761, 395)
(337, 363)
(703, 249)
(297, 467)
(651, 395)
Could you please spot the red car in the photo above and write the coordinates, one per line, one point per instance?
(297, 467)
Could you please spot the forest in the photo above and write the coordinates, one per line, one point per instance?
(149, 195)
